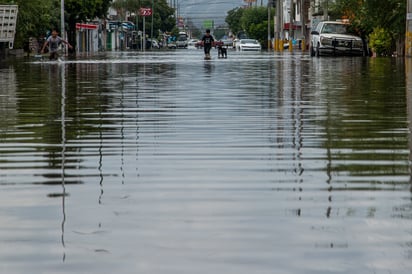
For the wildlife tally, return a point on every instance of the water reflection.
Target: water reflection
(63, 154)
(8, 98)
(408, 69)
(177, 165)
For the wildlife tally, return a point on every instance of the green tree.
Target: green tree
(233, 19)
(219, 32)
(37, 16)
(34, 18)
(122, 6)
(365, 16)
(254, 22)
(163, 15)
(81, 10)
(380, 41)
(389, 15)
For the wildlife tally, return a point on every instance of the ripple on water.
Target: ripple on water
(159, 162)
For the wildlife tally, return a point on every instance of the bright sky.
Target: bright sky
(199, 10)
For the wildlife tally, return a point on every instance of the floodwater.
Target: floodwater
(161, 162)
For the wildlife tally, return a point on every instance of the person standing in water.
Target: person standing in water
(207, 40)
(53, 42)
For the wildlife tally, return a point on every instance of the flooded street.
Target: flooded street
(161, 162)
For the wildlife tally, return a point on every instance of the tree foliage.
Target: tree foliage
(252, 20)
(163, 15)
(366, 17)
(82, 10)
(380, 41)
(34, 18)
(233, 19)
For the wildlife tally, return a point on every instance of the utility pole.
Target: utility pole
(291, 16)
(62, 31)
(175, 7)
(325, 10)
(269, 36)
(408, 35)
(408, 69)
(151, 28)
(304, 5)
(276, 26)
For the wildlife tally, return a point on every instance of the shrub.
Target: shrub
(380, 41)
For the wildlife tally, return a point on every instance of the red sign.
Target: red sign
(145, 11)
(294, 26)
(86, 26)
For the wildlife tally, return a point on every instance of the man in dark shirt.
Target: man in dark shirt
(207, 40)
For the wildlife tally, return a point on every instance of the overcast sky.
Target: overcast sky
(199, 10)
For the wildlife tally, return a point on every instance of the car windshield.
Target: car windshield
(334, 28)
(248, 41)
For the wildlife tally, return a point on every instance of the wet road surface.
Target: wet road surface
(161, 162)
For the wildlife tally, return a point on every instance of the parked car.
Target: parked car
(192, 43)
(171, 45)
(248, 45)
(332, 37)
(240, 35)
(152, 43)
(128, 26)
(235, 43)
(182, 39)
(228, 42)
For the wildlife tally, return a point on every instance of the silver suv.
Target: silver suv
(332, 37)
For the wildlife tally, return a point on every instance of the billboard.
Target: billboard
(208, 24)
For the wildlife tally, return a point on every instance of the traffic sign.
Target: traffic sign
(86, 26)
(145, 11)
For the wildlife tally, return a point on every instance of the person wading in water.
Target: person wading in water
(53, 42)
(207, 40)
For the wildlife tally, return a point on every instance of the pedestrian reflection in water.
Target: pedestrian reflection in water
(208, 68)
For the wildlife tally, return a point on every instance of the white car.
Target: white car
(332, 37)
(192, 43)
(228, 42)
(152, 43)
(248, 45)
